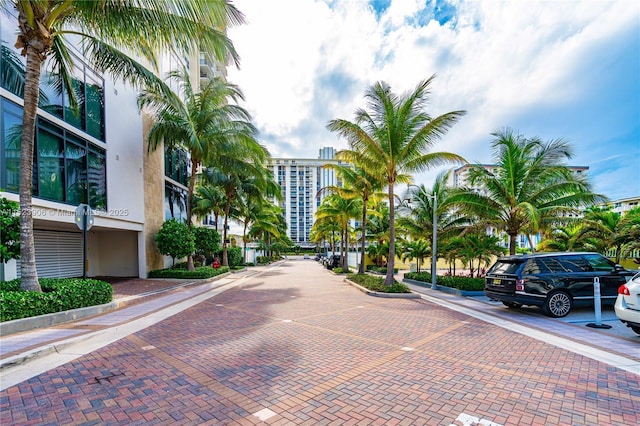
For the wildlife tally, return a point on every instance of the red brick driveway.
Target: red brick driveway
(297, 345)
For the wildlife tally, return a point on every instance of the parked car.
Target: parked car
(627, 304)
(333, 261)
(554, 281)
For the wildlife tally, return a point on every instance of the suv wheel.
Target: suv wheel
(636, 329)
(557, 304)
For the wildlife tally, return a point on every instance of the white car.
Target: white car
(627, 305)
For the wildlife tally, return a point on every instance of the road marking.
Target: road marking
(469, 420)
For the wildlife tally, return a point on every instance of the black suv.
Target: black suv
(554, 281)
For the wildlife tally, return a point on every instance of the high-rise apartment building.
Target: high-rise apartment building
(301, 181)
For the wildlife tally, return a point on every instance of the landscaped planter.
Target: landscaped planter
(449, 290)
(380, 294)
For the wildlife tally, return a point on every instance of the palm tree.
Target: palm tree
(417, 217)
(361, 185)
(565, 238)
(208, 199)
(254, 201)
(340, 210)
(105, 30)
(417, 249)
(204, 124)
(529, 186)
(607, 228)
(393, 137)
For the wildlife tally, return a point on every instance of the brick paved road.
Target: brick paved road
(297, 345)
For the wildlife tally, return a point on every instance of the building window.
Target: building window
(62, 170)
(175, 202)
(177, 165)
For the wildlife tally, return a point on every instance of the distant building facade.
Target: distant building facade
(301, 181)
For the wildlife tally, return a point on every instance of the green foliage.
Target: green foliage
(207, 241)
(58, 294)
(10, 234)
(234, 255)
(461, 283)
(377, 284)
(338, 270)
(198, 273)
(380, 269)
(175, 239)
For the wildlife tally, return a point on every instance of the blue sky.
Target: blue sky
(566, 69)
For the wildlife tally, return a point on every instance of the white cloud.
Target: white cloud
(540, 67)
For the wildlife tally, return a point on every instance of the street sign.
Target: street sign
(83, 211)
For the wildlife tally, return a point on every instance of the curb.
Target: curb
(57, 318)
(383, 295)
(444, 289)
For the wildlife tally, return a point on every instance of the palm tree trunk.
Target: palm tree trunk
(225, 257)
(512, 244)
(28, 272)
(244, 243)
(392, 239)
(364, 234)
(192, 184)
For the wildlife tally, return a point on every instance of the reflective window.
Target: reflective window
(175, 202)
(97, 179)
(66, 168)
(10, 147)
(599, 263)
(76, 173)
(50, 165)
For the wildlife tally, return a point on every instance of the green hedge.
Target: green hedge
(461, 283)
(58, 294)
(198, 273)
(380, 269)
(377, 284)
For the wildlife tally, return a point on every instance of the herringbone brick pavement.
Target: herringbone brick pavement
(297, 345)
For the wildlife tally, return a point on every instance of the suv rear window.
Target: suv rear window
(505, 266)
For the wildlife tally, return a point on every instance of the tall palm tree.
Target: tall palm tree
(393, 137)
(417, 217)
(530, 185)
(239, 171)
(208, 199)
(254, 201)
(357, 183)
(106, 29)
(340, 210)
(204, 123)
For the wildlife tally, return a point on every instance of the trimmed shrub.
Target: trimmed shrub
(380, 269)
(199, 273)
(377, 284)
(207, 241)
(460, 283)
(58, 294)
(175, 239)
(234, 255)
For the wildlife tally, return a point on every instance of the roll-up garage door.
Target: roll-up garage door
(58, 254)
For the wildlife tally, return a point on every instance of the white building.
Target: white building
(99, 158)
(301, 180)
